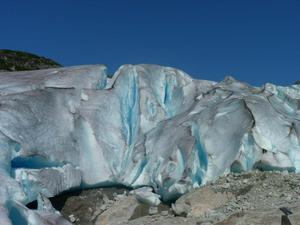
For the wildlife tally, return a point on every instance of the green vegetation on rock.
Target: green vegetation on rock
(19, 61)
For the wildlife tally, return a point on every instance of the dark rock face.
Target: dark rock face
(21, 61)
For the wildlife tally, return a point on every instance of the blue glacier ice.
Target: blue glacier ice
(147, 126)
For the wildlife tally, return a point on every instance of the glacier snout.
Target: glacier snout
(148, 125)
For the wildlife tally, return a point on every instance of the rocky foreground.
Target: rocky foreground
(245, 199)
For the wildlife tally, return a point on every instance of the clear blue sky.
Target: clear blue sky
(257, 41)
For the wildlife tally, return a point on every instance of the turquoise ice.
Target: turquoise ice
(148, 125)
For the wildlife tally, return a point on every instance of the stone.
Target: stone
(164, 213)
(120, 212)
(89, 204)
(72, 218)
(146, 195)
(200, 201)
(153, 210)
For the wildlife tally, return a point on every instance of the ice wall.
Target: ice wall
(148, 125)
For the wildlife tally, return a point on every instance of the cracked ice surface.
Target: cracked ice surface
(148, 125)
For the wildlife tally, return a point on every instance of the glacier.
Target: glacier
(146, 126)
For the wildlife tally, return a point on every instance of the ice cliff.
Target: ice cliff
(148, 125)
